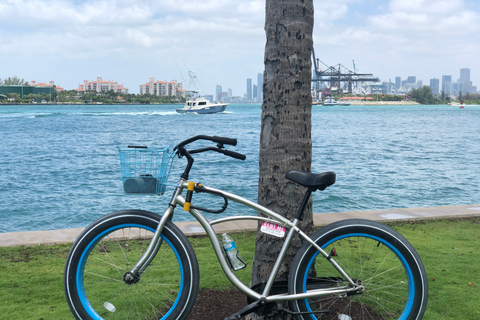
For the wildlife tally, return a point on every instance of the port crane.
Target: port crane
(339, 78)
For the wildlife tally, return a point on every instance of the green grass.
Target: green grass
(31, 285)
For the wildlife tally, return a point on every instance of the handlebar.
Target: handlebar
(220, 140)
(181, 150)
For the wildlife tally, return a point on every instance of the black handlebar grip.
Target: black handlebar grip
(224, 140)
(233, 154)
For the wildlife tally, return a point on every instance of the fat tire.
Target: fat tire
(173, 238)
(364, 229)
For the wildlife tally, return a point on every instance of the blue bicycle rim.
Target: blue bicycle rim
(411, 284)
(81, 266)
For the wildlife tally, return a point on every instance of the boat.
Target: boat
(333, 102)
(201, 105)
(196, 103)
(462, 105)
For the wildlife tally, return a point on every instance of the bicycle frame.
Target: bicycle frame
(271, 216)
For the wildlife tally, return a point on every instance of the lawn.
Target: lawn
(31, 285)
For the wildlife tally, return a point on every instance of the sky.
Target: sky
(223, 41)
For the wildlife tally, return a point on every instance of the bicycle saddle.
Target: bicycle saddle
(317, 181)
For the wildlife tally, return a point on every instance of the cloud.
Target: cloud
(148, 34)
(426, 38)
(224, 39)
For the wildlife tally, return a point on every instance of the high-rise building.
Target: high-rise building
(260, 86)
(435, 86)
(398, 82)
(218, 92)
(465, 80)
(412, 79)
(447, 84)
(255, 94)
(249, 89)
(464, 75)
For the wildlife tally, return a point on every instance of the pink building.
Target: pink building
(162, 88)
(101, 86)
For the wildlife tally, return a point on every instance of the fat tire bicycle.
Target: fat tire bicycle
(136, 264)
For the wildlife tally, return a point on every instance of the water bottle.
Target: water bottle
(231, 250)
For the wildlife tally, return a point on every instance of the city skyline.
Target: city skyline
(253, 92)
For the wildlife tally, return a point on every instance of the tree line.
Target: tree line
(13, 81)
(424, 95)
(90, 97)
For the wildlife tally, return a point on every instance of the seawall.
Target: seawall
(193, 228)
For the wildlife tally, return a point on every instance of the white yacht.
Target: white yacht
(202, 106)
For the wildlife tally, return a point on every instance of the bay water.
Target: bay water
(60, 167)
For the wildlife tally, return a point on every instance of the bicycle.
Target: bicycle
(136, 264)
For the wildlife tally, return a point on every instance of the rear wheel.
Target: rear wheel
(98, 261)
(373, 255)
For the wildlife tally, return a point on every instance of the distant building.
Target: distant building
(34, 88)
(218, 93)
(162, 88)
(465, 80)
(249, 89)
(447, 84)
(101, 86)
(398, 82)
(387, 87)
(23, 91)
(51, 84)
(260, 86)
(435, 86)
(412, 79)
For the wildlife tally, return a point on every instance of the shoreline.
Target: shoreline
(352, 103)
(387, 103)
(379, 103)
(193, 228)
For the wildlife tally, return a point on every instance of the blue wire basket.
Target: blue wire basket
(145, 169)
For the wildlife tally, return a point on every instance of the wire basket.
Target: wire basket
(145, 169)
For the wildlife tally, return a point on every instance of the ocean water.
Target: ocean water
(60, 167)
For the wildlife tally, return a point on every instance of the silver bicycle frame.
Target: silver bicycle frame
(273, 217)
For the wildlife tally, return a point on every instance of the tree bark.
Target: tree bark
(285, 138)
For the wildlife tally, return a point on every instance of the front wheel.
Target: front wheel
(374, 256)
(101, 256)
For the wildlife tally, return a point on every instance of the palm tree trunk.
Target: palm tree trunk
(285, 138)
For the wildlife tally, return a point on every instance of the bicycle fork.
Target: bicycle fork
(133, 276)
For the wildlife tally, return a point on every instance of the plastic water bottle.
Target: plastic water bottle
(231, 250)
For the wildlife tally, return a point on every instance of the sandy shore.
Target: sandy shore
(383, 103)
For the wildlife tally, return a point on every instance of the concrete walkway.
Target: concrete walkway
(193, 228)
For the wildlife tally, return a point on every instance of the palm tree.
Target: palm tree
(285, 138)
(14, 81)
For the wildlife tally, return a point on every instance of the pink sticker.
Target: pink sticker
(273, 229)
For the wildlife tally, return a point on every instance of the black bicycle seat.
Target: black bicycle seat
(317, 181)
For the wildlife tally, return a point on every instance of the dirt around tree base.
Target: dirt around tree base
(217, 305)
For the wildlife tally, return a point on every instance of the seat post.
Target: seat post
(302, 207)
